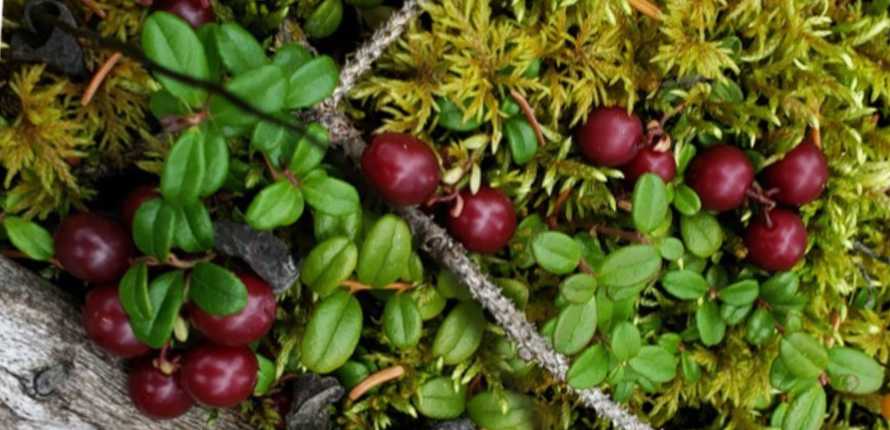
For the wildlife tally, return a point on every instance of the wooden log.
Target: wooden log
(52, 377)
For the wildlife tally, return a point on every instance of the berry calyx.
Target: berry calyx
(136, 198)
(93, 248)
(650, 160)
(610, 136)
(252, 323)
(778, 246)
(196, 12)
(403, 169)
(155, 394)
(107, 324)
(219, 376)
(487, 221)
(799, 177)
(721, 175)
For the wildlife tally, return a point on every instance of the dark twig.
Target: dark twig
(871, 253)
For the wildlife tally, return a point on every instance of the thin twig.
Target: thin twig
(375, 379)
(871, 253)
(529, 115)
(816, 137)
(356, 286)
(646, 8)
(98, 77)
(629, 236)
(553, 219)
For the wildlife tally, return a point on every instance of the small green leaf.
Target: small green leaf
(331, 195)
(441, 398)
(691, 370)
(852, 371)
(590, 368)
(194, 228)
(30, 238)
(556, 252)
(671, 248)
(328, 264)
(578, 288)
(726, 91)
(163, 104)
(521, 138)
(265, 376)
(685, 284)
(312, 82)
(449, 287)
(655, 363)
(277, 205)
(510, 411)
(268, 136)
(153, 228)
(520, 244)
(263, 89)
(325, 19)
(133, 293)
(451, 117)
(216, 290)
(711, 326)
(385, 252)
(515, 290)
(216, 161)
(761, 327)
(733, 315)
(207, 35)
(429, 302)
(352, 373)
(741, 293)
(414, 270)
(291, 56)
(184, 169)
(239, 50)
(630, 266)
(310, 149)
(626, 341)
(575, 327)
(166, 294)
(171, 42)
(805, 357)
(807, 410)
(780, 288)
(686, 200)
(460, 334)
(701, 234)
(650, 203)
(332, 333)
(401, 321)
(327, 226)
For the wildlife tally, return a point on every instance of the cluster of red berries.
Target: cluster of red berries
(221, 372)
(405, 171)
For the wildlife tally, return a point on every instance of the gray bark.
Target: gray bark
(52, 377)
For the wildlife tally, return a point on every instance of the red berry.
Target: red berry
(777, 248)
(610, 136)
(252, 323)
(155, 394)
(649, 160)
(800, 176)
(219, 376)
(721, 175)
(107, 325)
(487, 221)
(135, 199)
(196, 12)
(93, 248)
(401, 168)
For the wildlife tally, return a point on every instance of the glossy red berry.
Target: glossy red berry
(196, 12)
(648, 160)
(403, 169)
(155, 394)
(93, 248)
(107, 324)
(487, 221)
(219, 376)
(721, 175)
(135, 199)
(799, 177)
(610, 136)
(252, 323)
(777, 248)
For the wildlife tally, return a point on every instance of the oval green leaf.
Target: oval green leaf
(807, 410)
(655, 363)
(332, 333)
(402, 323)
(575, 327)
(166, 294)
(133, 293)
(686, 200)
(710, 324)
(578, 288)
(701, 234)
(30, 238)
(441, 398)
(238, 49)
(331, 195)
(630, 266)
(183, 174)
(556, 252)
(741, 293)
(650, 202)
(194, 228)
(386, 250)
(171, 42)
(216, 290)
(685, 284)
(460, 334)
(153, 228)
(263, 89)
(510, 412)
(803, 355)
(328, 264)
(277, 205)
(626, 342)
(312, 82)
(521, 138)
(590, 368)
(852, 371)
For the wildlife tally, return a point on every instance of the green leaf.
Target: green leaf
(451, 117)
(332, 333)
(685, 284)
(626, 341)
(701, 234)
(352, 373)
(711, 326)
(30, 238)
(686, 200)
(263, 89)
(521, 138)
(449, 287)
(401, 321)
(510, 411)
(429, 302)
(133, 293)
(655, 363)
(671, 248)
(726, 91)
(578, 288)
(733, 315)
(163, 104)
(761, 327)
(325, 19)
(575, 327)
(310, 149)
(520, 244)
(153, 228)
(650, 203)
(194, 228)
(780, 288)
(216, 161)
(807, 410)
(312, 82)
(413, 272)
(238, 49)
(327, 226)
(386, 250)
(328, 264)
(171, 42)
(268, 136)
(556, 252)
(216, 290)
(780, 377)
(590, 368)
(277, 205)
(166, 295)
(291, 56)
(460, 334)
(207, 35)
(805, 357)
(741, 293)
(854, 372)
(265, 376)
(690, 369)
(441, 398)
(630, 266)
(183, 173)
(331, 195)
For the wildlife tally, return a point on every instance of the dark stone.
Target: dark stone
(461, 424)
(266, 254)
(40, 42)
(313, 395)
